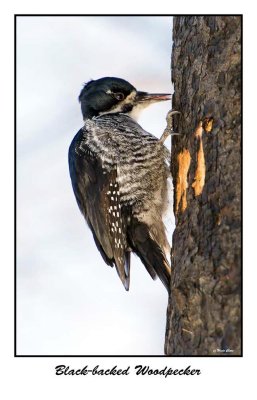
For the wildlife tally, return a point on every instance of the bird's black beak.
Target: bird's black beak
(148, 98)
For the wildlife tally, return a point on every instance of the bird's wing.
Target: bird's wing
(97, 194)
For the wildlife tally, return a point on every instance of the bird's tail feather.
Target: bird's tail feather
(150, 253)
(122, 265)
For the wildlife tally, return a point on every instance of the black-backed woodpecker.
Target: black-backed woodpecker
(119, 175)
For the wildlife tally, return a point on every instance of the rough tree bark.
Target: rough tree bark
(203, 316)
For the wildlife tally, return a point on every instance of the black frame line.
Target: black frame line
(15, 193)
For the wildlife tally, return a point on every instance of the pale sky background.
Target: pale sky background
(69, 302)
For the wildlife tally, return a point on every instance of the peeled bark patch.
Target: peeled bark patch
(182, 184)
(199, 177)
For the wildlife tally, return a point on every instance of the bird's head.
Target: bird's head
(115, 95)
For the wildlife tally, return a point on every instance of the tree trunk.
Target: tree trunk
(204, 311)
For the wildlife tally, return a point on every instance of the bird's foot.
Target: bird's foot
(169, 128)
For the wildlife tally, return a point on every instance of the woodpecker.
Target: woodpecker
(119, 175)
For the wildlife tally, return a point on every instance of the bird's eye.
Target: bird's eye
(118, 96)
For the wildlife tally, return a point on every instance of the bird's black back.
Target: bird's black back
(116, 170)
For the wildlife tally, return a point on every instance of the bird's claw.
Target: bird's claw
(169, 129)
(172, 112)
(170, 115)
